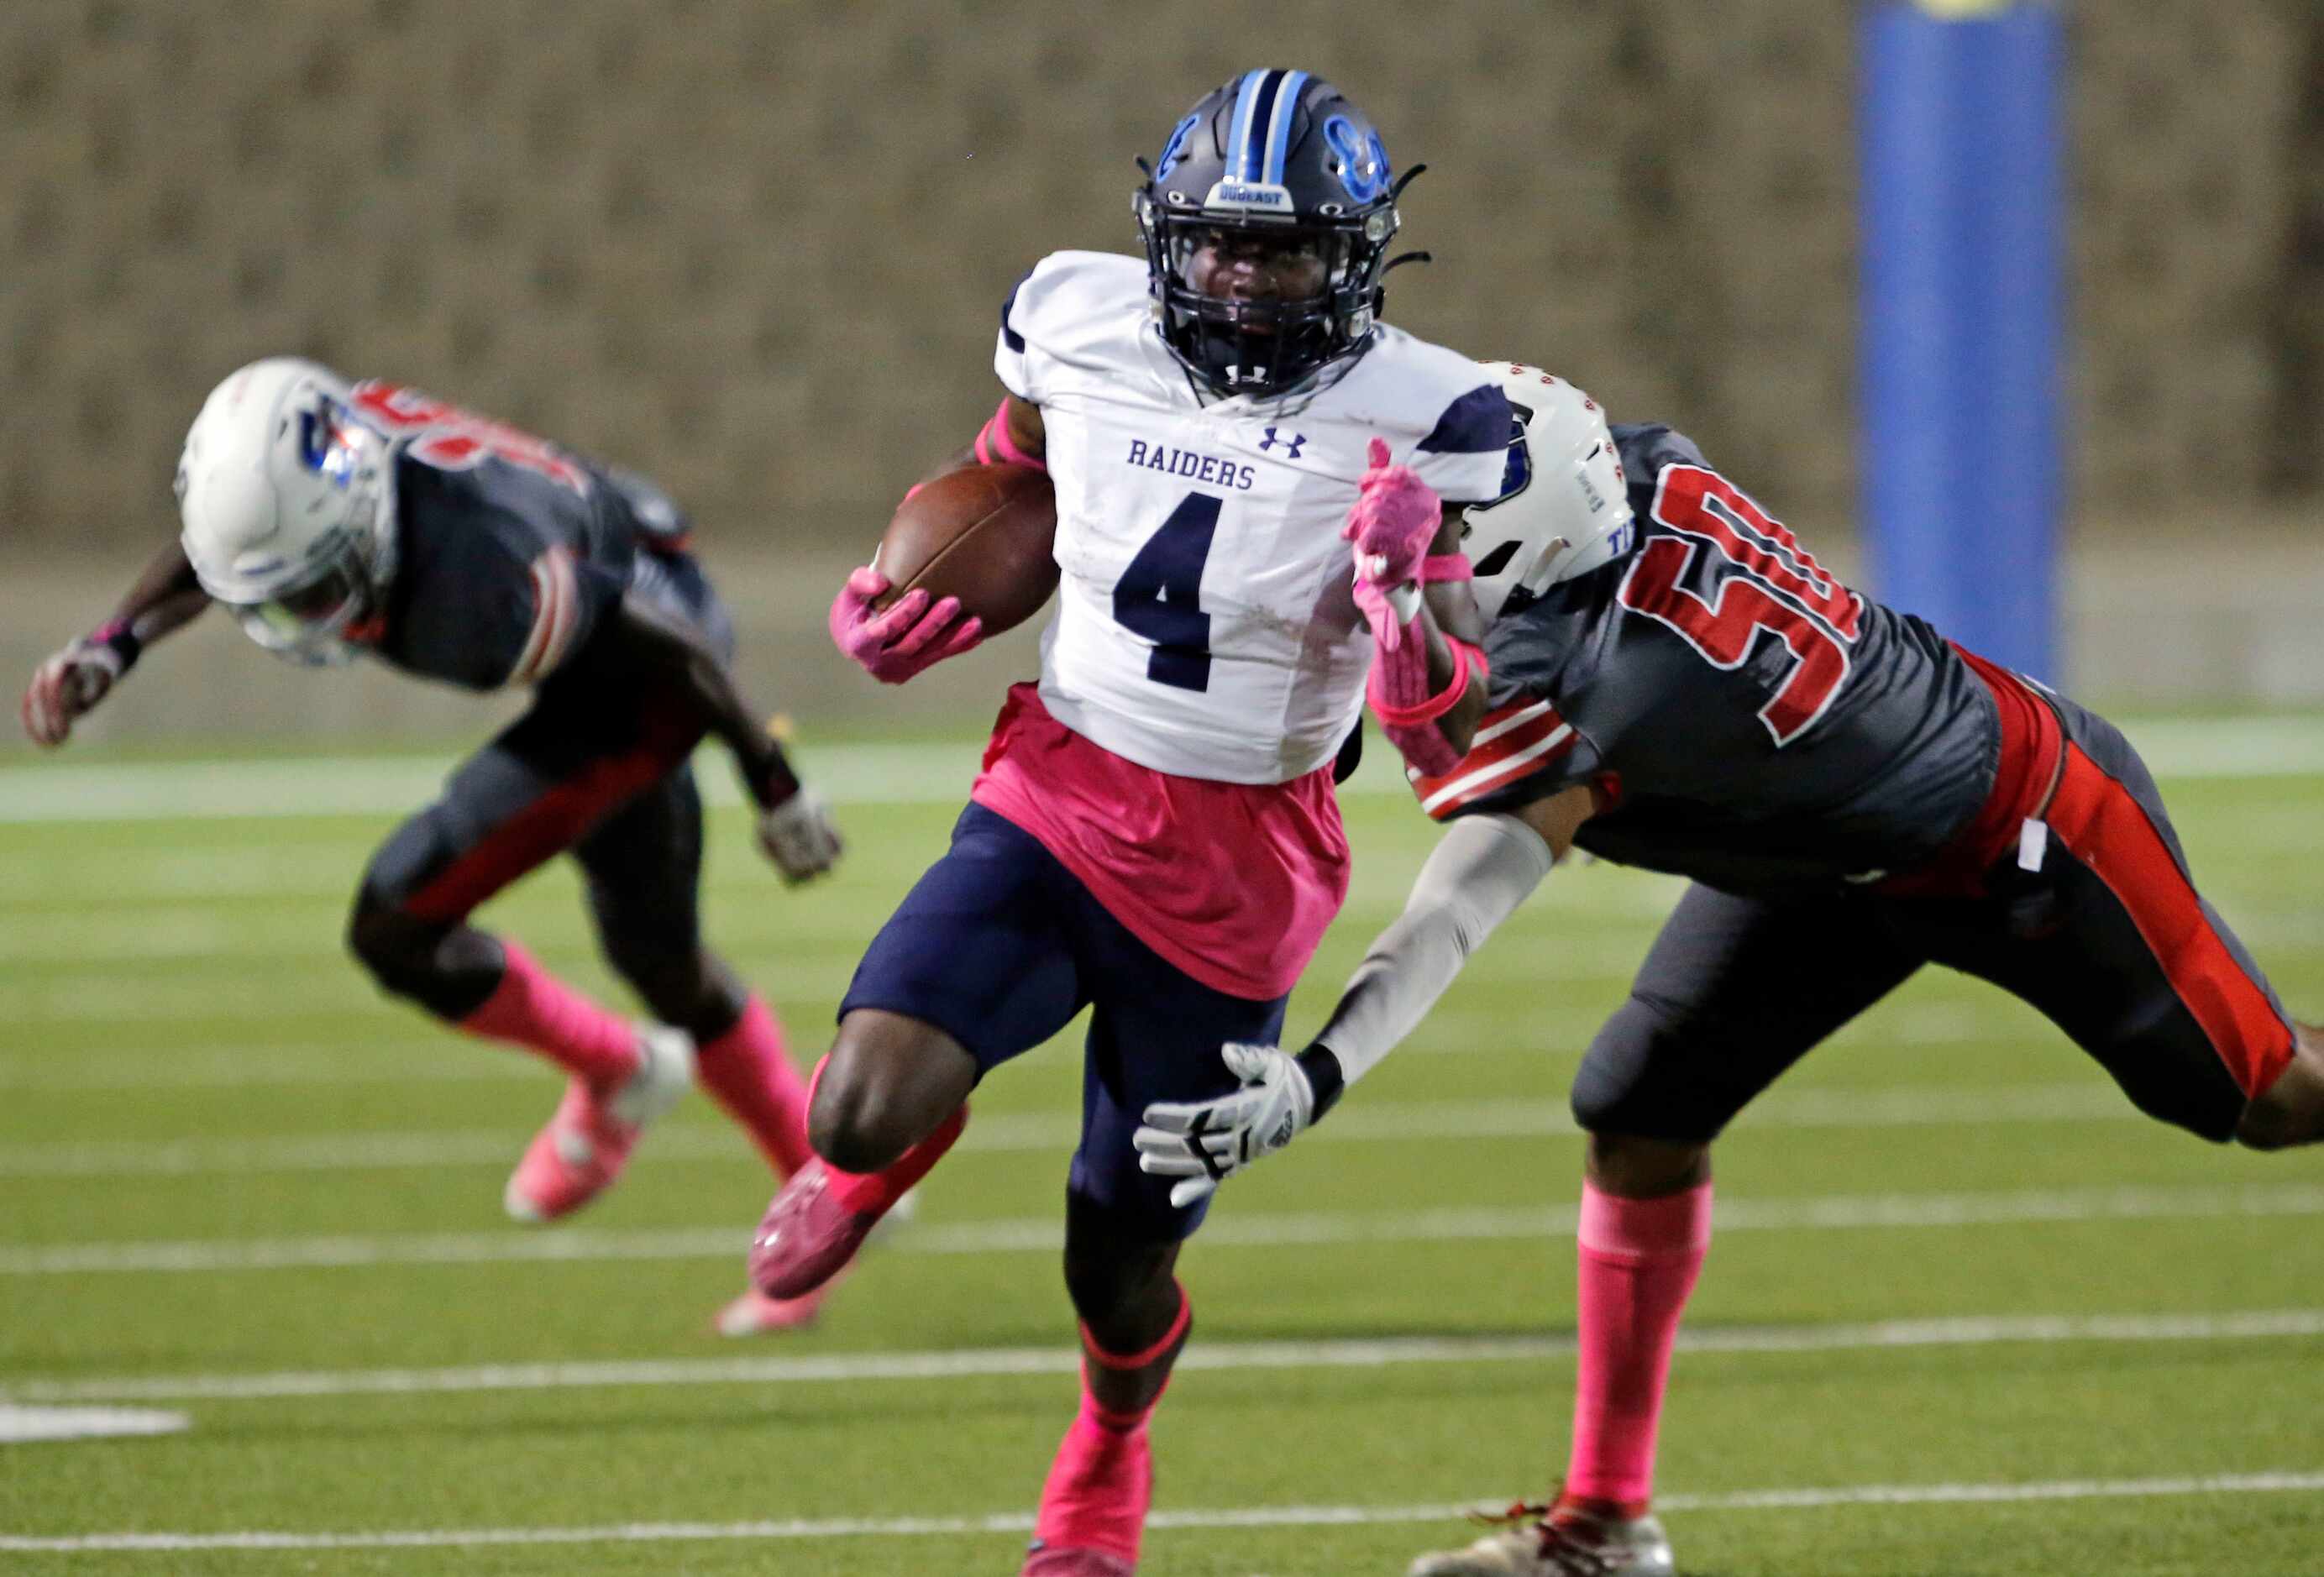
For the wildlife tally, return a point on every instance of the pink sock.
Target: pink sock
(1102, 1479)
(532, 1008)
(748, 1071)
(1640, 1259)
(880, 1190)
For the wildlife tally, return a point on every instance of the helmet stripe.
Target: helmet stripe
(1239, 160)
(1278, 137)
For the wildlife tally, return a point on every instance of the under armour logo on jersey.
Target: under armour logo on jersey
(1291, 444)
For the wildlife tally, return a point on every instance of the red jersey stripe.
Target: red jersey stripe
(2104, 827)
(1514, 742)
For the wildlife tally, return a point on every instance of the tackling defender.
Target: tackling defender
(1680, 686)
(337, 520)
(1154, 834)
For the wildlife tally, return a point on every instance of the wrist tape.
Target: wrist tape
(996, 446)
(1465, 657)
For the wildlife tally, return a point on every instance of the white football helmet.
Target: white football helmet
(287, 497)
(1565, 507)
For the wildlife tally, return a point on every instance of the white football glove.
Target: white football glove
(1205, 1141)
(799, 836)
(66, 686)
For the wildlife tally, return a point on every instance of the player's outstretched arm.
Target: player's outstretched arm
(164, 598)
(795, 827)
(1482, 869)
(1412, 585)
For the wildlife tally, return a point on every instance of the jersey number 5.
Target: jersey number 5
(452, 440)
(1742, 574)
(1159, 594)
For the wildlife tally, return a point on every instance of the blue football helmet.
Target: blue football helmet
(1273, 159)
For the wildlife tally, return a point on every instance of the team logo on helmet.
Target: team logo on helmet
(1363, 164)
(1516, 473)
(1175, 150)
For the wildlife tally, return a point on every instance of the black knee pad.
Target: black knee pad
(1646, 1075)
(395, 949)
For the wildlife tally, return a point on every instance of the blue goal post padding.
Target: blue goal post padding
(1962, 461)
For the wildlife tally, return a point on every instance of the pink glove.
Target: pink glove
(894, 644)
(1393, 522)
(1398, 687)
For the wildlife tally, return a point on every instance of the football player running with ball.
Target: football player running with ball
(336, 520)
(1679, 686)
(1155, 835)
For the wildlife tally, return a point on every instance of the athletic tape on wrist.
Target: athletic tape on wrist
(1439, 566)
(1326, 1079)
(1465, 657)
(117, 635)
(995, 444)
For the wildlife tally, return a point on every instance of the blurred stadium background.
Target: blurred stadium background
(758, 251)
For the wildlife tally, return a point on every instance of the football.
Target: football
(981, 533)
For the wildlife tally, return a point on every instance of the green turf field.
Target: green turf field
(1966, 1313)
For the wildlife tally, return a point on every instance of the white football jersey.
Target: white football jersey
(1205, 625)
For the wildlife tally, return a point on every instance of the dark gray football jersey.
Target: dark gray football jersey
(1748, 721)
(510, 551)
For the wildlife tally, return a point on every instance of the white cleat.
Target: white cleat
(586, 1143)
(1566, 1541)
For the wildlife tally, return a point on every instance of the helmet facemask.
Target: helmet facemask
(307, 622)
(1265, 344)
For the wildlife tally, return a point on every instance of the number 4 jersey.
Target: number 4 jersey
(1745, 719)
(1206, 659)
(1205, 625)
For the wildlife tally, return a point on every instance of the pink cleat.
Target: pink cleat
(808, 1236)
(1094, 1506)
(584, 1147)
(818, 1223)
(1075, 1564)
(754, 1314)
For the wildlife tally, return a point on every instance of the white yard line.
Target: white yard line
(1042, 1234)
(233, 789)
(105, 983)
(1369, 1123)
(1456, 1028)
(108, 939)
(930, 773)
(96, 939)
(1018, 1522)
(21, 1424)
(439, 1061)
(859, 1368)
